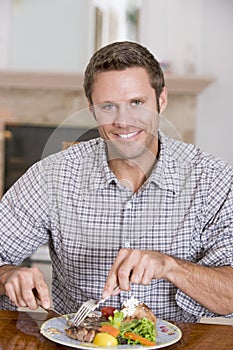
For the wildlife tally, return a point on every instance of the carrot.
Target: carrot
(108, 328)
(141, 340)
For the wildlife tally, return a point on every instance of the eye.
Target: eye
(108, 107)
(136, 103)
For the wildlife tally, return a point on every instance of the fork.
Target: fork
(88, 307)
(85, 309)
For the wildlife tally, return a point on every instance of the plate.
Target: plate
(54, 330)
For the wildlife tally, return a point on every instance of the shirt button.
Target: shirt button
(128, 205)
(127, 244)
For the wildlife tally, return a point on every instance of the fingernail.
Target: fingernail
(46, 304)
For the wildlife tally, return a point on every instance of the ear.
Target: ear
(163, 100)
(91, 108)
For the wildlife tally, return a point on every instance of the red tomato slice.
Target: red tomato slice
(108, 311)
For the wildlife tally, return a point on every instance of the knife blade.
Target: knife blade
(51, 311)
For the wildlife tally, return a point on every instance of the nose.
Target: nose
(123, 116)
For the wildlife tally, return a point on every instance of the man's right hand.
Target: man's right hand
(18, 283)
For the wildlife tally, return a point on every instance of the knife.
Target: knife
(51, 311)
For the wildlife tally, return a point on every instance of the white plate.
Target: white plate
(167, 334)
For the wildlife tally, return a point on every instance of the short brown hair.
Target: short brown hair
(119, 56)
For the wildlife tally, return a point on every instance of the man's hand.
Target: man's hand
(136, 266)
(19, 282)
(212, 287)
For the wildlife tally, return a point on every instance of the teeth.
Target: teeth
(125, 136)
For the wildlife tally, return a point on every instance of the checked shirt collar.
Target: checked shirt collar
(164, 174)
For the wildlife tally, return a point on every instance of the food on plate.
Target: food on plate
(135, 323)
(105, 339)
(87, 330)
(53, 330)
(108, 311)
(132, 309)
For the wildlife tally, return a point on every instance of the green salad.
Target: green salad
(131, 332)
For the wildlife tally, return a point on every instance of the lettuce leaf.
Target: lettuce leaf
(143, 327)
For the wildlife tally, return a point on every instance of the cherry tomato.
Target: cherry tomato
(104, 339)
(108, 311)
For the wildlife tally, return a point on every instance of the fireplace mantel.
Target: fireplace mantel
(177, 84)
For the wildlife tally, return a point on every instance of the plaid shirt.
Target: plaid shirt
(74, 202)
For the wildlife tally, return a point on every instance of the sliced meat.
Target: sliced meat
(142, 310)
(86, 331)
(80, 333)
(90, 335)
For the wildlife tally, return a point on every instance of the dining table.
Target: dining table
(20, 330)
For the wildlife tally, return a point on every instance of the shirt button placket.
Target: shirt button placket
(127, 224)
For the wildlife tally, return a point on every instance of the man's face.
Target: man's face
(126, 111)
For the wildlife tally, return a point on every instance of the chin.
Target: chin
(127, 151)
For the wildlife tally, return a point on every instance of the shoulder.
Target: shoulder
(62, 164)
(76, 154)
(189, 155)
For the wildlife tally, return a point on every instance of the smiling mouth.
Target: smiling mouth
(127, 136)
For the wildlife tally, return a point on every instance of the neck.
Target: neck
(133, 173)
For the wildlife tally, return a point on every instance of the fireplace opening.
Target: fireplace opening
(26, 144)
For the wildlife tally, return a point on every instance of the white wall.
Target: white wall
(172, 28)
(215, 105)
(50, 35)
(5, 29)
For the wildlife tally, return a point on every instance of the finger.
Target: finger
(37, 289)
(128, 269)
(13, 294)
(30, 299)
(27, 282)
(110, 285)
(112, 279)
(144, 272)
(14, 288)
(43, 293)
(137, 274)
(148, 273)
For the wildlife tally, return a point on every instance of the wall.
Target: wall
(196, 36)
(50, 36)
(214, 108)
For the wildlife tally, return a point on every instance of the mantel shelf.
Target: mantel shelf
(187, 84)
(177, 84)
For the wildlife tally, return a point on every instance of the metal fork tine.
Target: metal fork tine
(80, 315)
(83, 312)
(80, 319)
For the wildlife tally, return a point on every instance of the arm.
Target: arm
(18, 284)
(212, 287)
(24, 226)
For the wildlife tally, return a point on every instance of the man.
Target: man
(132, 208)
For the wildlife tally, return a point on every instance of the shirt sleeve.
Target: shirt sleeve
(215, 234)
(24, 220)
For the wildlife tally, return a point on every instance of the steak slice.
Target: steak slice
(86, 331)
(81, 333)
(142, 310)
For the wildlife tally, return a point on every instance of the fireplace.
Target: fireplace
(26, 144)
